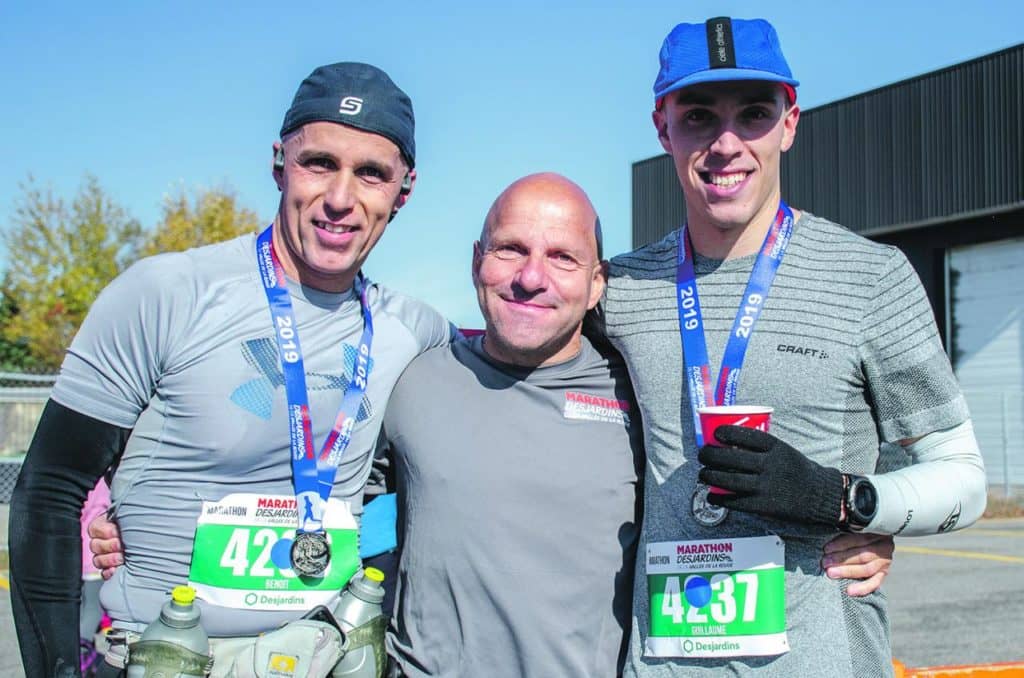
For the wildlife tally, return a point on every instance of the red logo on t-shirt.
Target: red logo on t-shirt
(595, 408)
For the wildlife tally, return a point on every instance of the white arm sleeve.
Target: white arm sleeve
(943, 490)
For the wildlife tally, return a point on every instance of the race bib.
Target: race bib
(717, 598)
(242, 553)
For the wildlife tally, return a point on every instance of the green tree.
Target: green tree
(207, 216)
(15, 356)
(59, 258)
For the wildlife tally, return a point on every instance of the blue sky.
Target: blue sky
(151, 97)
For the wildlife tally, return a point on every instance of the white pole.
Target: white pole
(1006, 444)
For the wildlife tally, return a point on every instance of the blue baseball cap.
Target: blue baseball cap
(719, 50)
(357, 95)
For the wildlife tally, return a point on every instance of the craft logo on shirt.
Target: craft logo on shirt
(257, 395)
(807, 351)
(584, 406)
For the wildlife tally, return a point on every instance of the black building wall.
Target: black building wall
(943, 145)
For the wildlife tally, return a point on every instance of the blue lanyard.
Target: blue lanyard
(696, 368)
(312, 475)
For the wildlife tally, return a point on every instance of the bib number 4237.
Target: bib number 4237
(717, 598)
(719, 604)
(723, 610)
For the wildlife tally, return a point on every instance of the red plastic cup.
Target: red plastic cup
(751, 416)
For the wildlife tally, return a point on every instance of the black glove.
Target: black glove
(770, 478)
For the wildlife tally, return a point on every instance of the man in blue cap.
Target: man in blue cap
(831, 330)
(189, 368)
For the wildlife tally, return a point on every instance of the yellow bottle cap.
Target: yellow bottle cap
(373, 574)
(183, 595)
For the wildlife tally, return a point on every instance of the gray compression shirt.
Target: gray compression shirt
(180, 349)
(847, 352)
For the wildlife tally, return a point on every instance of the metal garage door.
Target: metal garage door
(987, 310)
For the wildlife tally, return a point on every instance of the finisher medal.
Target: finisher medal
(707, 514)
(310, 554)
(696, 363)
(312, 473)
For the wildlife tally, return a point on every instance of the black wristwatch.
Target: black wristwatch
(860, 502)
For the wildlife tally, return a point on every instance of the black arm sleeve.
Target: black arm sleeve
(68, 454)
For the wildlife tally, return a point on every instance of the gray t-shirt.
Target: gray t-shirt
(847, 352)
(518, 514)
(180, 349)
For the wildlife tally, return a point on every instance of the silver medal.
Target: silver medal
(704, 513)
(310, 554)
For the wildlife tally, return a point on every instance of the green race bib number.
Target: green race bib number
(242, 554)
(716, 598)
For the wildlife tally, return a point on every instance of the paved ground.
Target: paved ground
(959, 598)
(953, 599)
(10, 661)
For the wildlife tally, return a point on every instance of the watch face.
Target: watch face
(865, 501)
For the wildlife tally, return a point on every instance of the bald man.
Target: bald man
(517, 456)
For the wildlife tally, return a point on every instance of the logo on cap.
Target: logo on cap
(351, 106)
(721, 50)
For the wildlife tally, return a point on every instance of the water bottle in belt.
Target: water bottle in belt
(360, 616)
(175, 644)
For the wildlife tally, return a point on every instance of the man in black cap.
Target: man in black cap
(240, 447)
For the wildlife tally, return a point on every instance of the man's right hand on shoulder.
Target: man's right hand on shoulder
(105, 544)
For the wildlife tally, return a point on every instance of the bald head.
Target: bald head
(545, 193)
(537, 270)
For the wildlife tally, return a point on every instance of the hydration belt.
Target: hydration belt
(303, 647)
